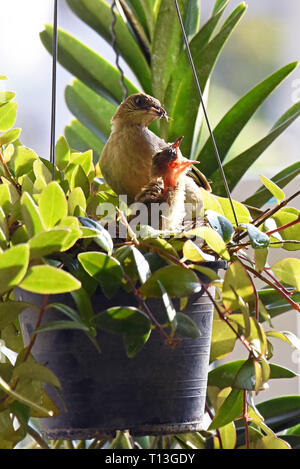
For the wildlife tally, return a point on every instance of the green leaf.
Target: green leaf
(280, 413)
(288, 271)
(86, 65)
(42, 411)
(91, 109)
(274, 303)
(31, 370)
(191, 17)
(52, 204)
(82, 139)
(62, 325)
(9, 136)
(273, 188)
(5, 199)
(245, 377)
(237, 283)
(223, 340)
(169, 307)
(242, 213)
(224, 376)
(221, 224)
(272, 442)
(129, 322)
(258, 239)
(206, 271)
(197, 44)
(260, 256)
(48, 242)
(286, 336)
(23, 160)
(6, 96)
(13, 266)
(177, 281)
(8, 115)
(236, 118)
(48, 280)
(97, 14)
(106, 270)
(237, 167)
(41, 170)
(79, 179)
(122, 320)
(76, 201)
(283, 217)
(10, 310)
(231, 409)
(62, 153)
(186, 327)
(186, 104)
(142, 265)
(192, 252)
(103, 238)
(212, 239)
(163, 62)
(262, 195)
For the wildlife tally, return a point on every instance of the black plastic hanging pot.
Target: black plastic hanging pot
(161, 390)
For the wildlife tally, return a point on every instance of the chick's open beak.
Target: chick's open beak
(183, 164)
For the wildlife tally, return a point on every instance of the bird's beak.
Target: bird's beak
(177, 143)
(183, 164)
(159, 112)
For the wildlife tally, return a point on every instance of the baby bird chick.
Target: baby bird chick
(167, 186)
(126, 159)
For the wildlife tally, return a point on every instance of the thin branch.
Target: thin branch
(245, 418)
(273, 285)
(145, 307)
(8, 174)
(217, 430)
(283, 227)
(37, 437)
(38, 322)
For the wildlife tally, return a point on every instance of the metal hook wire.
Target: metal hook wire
(205, 113)
(115, 48)
(53, 105)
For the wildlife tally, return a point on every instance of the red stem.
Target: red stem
(283, 227)
(266, 270)
(273, 285)
(38, 322)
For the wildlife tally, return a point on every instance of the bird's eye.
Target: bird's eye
(138, 100)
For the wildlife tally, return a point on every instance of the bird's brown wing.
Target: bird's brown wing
(199, 178)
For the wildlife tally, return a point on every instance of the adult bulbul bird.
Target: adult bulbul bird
(126, 158)
(167, 187)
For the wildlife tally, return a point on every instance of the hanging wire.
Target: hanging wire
(53, 106)
(115, 4)
(205, 113)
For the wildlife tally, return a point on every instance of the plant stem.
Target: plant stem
(245, 418)
(8, 174)
(273, 285)
(270, 213)
(37, 437)
(283, 227)
(211, 416)
(38, 322)
(266, 270)
(145, 307)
